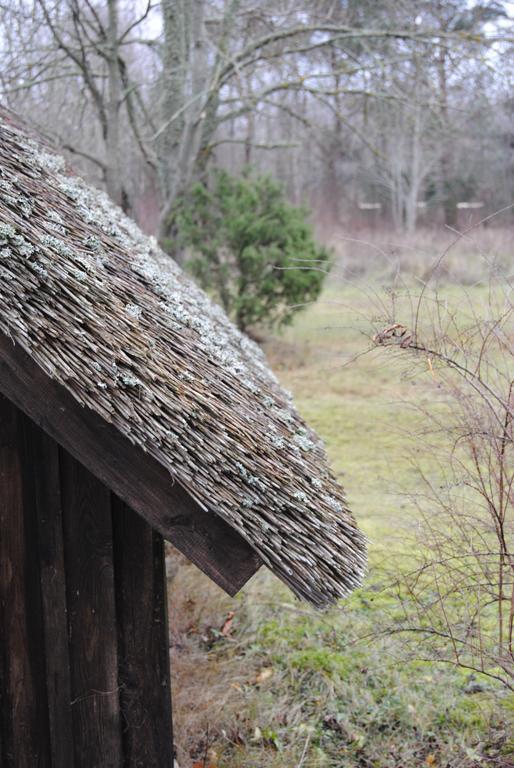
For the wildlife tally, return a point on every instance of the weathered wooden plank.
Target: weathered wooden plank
(23, 714)
(43, 463)
(142, 483)
(87, 526)
(143, 641)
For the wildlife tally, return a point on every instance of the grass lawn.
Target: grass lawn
(287, 686)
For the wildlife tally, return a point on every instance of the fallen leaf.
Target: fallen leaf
(264, 674)
(430, 759)
(227, 626)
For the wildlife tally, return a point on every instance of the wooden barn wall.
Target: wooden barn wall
(84, 662)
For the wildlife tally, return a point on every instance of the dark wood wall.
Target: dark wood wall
(84, 662)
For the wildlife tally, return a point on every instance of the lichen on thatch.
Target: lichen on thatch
(101, 309)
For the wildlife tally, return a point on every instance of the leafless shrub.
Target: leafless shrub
(456, 591)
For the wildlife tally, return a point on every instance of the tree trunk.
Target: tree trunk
(447, 191)
(411, 199)
(182, 107)
(176, 30)
(112, 136)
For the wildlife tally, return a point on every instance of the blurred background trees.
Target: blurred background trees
(377, 115)
(369, 112)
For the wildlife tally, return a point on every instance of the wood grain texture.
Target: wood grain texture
(43, 463)
(93, 642)
(84, 644)
(143, 641)
(23, 709)
(139, 480)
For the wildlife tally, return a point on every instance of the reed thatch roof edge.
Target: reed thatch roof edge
(103, 311)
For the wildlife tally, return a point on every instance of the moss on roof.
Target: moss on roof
(103, 311)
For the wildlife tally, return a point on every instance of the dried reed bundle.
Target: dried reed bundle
(102, 310)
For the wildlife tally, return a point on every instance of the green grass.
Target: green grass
(291, 687)
(361, 407)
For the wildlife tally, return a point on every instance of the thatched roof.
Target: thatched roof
(100, 308)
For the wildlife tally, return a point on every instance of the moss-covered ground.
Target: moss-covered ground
(285, 686)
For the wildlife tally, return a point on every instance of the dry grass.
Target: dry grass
(385, 253)
(293, 688)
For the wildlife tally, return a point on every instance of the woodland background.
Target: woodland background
(393, 121)
(373, 112)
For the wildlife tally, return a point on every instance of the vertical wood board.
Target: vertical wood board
(84, 656)
(43, 463)
(23, 706)
(143, 641)
(86, 506)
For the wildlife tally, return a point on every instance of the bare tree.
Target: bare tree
(152, 90)
(453, 16)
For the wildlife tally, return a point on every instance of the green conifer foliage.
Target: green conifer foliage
(250, 248)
